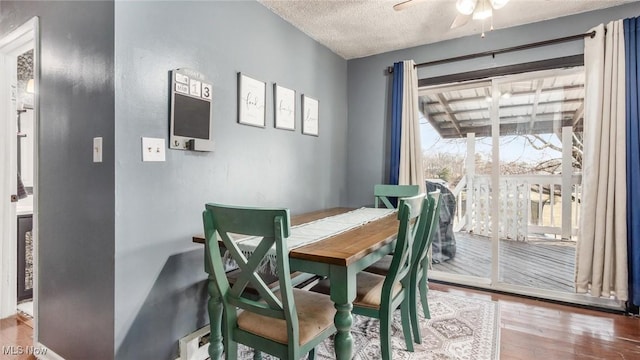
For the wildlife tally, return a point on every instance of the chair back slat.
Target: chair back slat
(434, 220)
(430, 223)
(256, 307)
(250, 221)
(383, 193)
(409, 211)
(249, 273)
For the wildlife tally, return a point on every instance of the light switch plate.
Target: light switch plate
(97, 149)
(153, 149)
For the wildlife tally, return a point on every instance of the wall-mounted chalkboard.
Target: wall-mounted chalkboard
(191, 120)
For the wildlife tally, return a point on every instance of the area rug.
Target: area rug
(461, 328)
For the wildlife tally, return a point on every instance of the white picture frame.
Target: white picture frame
(251, 101)
(284, 106)
(310, 119)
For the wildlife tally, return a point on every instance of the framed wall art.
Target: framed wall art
(251, 101)
(284, 105)
(309, 116)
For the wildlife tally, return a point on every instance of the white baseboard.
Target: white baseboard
(44, 353)
(190, 348)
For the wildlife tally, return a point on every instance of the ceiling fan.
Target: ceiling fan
(467, 9)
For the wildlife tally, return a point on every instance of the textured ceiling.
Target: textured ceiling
(358, 28)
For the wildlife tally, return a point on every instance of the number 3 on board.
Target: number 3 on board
(206, 91)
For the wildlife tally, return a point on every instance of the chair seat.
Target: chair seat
(369, 290)
(315, 314)
(381, 267)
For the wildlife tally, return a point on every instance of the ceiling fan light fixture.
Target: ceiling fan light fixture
(466, 7)
(498, 4)
(482, 14)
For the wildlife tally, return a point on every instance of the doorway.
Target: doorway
(24, 206)
(19, 76)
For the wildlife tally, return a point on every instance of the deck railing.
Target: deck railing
(530, 206)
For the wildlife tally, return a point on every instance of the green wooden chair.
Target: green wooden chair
(420, 262)
(379, 296)
(382, 193)
(287, 323)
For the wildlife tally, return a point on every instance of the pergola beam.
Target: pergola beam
(430, 118)
(536, 100)
(514, 106)
(449, 113)
(465, 124)
(541, 127)
(513, 94)
(579, 114)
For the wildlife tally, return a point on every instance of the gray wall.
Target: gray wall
(76, 196)
(160, 294)
(157, 280)
(370, 95)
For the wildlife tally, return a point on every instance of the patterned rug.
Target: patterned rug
(460, 328)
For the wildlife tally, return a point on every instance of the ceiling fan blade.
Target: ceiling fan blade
(405, 4)
(460, 20)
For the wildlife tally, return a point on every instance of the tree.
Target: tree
(444, 174)
(441, 165)
(553, 166)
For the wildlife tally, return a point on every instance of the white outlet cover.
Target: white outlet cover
(97, 149)
(153, 149)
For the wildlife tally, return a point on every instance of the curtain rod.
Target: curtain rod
(503, 50)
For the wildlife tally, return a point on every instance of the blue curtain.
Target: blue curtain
(396, 122)
(631, 28)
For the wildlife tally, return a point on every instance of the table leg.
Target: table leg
(215, 321)
(343, 341)
(343, 292)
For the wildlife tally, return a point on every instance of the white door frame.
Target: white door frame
(22, 39)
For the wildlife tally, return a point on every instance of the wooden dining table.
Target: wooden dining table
(340, 258)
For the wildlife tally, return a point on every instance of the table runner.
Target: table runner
(313, 231)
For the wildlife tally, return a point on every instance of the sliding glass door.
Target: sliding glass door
(507, 154)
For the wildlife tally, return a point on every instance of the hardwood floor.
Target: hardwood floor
(534, 329)
(16, 337)
(529, 329)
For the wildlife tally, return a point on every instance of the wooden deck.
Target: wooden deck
(540, 264)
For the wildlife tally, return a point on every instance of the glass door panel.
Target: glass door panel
(457, 146)
(539, 145)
